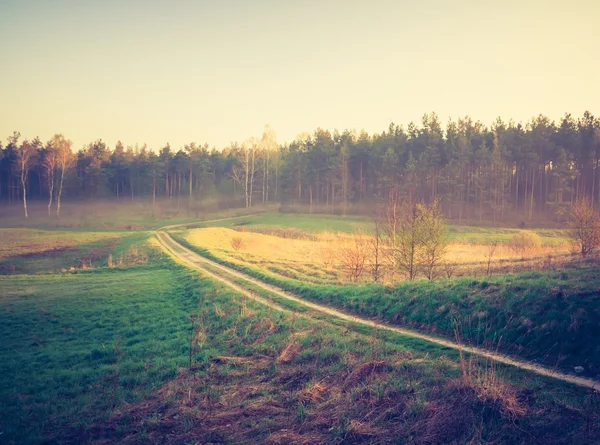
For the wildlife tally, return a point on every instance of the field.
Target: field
(526, 307)
(121, 215)
(311, 243)
(133, 347)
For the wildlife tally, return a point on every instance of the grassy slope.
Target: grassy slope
(261, 376)
(42, 251)
(548, 317)
(98, 354)
(74, 345)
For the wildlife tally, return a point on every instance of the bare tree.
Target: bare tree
(268, 144)
(490, 255)
(353, 254)
(415, 235)
(25, 155)
(585, 227)
(433, 232)
(408, 250)
(377, 243)
(345, 170)
(65, 161)
(50, 165)
(244, 174)
(391, 216)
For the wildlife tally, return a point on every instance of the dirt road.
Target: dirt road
(225, 275)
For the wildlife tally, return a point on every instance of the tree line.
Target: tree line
(505, 171)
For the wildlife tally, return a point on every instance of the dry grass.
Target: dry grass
(313, 393)
(323, 257)
(290, 352)
(237, 243)
(481, 376)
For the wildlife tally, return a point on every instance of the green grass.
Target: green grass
(304, 222)
(103, 355)
(41, 251)
(118, 215)
(74, 345)
(544, 316)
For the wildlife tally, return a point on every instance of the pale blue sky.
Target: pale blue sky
(218, 71)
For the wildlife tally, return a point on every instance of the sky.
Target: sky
(217, 71)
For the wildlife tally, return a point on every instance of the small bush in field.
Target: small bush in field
(525, 241)
(585, 227)
(237, 243)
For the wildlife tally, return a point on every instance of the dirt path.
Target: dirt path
(193, 260)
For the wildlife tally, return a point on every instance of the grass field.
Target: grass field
(40, 251)
(77, 344)
(314, 256)
(103, 354)
(543, 315)
(121, 215)
(270, 221)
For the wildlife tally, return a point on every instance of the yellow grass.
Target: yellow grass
(264, 247)
(310, 259)
(472, 253)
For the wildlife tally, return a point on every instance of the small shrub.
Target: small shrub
(525, 242)
(237, 243)
(585, 227)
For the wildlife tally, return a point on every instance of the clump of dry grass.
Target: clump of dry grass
(289, 437)
(313, 393)
(263, 329)
(237, 243)
(525, 242)
(219, 312)
(483, 379)
(245, 311)
(222, 359)
(361, 430)
(290, 352)
(362, 372)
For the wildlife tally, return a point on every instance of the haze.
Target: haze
(177, 72)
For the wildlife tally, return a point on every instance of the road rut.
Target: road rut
(196, 261)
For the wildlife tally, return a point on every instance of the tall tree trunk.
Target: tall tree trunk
(252, 179)
(247, 179)
(264, 178)
(191, 184)
(178, 188)
(332, 197)
(267, 178)
(50, 191)
(154, 195)
(532, 189)
(60, 189)
(24, 185)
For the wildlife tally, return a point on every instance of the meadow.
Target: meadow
(533, 306)
(133, 347)
(307, 247)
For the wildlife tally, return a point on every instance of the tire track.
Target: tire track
(196, 261)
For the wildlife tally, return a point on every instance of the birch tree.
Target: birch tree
(25, 155)
(244, 173)
(50, 164)
(65, 161)
(268, 145)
